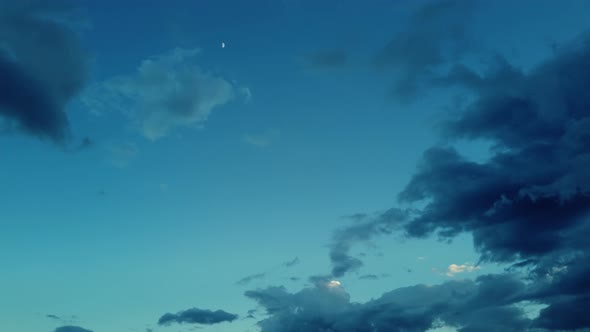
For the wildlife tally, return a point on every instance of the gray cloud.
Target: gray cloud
(369, 277)
(436, 35)
(292, 262)
(168, 91)
(567, 314)
(361, 231)
(250, 278)
(197, 316)
(70, 328)
(536, 175)
(34, 90)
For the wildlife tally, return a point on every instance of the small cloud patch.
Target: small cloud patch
(194, 316)
(454, 269)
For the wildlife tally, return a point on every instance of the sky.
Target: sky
(294, 165)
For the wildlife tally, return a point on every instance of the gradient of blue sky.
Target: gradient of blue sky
(118, 234)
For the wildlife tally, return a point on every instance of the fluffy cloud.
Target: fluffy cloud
(292, 262)
(197, 316)
(34, 90)
(369, 277)
(167, 91)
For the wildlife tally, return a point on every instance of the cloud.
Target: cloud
(120, 154)
(262, 139)
(527, 204)
(53, 316)
(467, 305)
(535, 176)
(250, 278)
(361, 231)
(168, 91)
(436, 35)
(70, 328)
(197, 316)
(332, 58)
(35, 90)
(369, 277)
(85, 144)
(292, 262)
(454, 269)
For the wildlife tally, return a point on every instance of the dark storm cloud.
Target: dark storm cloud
(436, 35)
(361, 231)
(250, 278)
(326, 59)
(568, 314)
(529, 203)
(197, 316)
(468, 305)
(70, 328)
(34, 89)
(522, 202)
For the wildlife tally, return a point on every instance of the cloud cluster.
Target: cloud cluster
(167, 91)
(481, 305)
(527, 204)
(454, 269)
(197, 316)
(531, 198)
(34, 89)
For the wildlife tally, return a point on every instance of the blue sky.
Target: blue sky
(148, 168)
